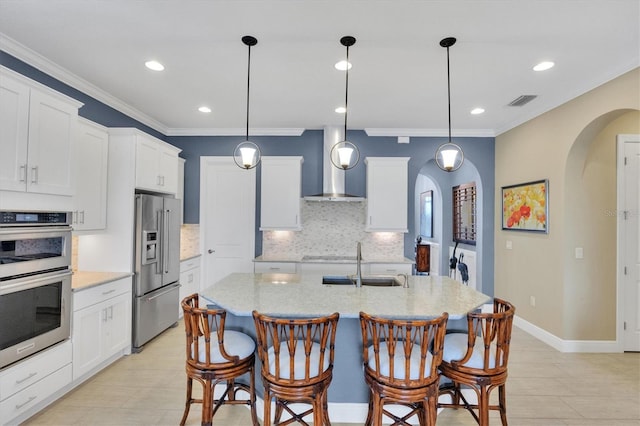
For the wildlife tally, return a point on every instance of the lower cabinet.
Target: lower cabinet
(275, 267)
(189, 279)
(26, 385)
(390, 268)
(101, 325)
(326, 268)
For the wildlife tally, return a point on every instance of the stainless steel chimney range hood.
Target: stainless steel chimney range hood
(333, 179)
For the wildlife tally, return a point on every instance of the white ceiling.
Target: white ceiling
(398, 83)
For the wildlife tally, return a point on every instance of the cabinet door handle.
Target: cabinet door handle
(34, 174)
(190, 279)
(19, 406)
(26, 378)
(104, 293)
(23, 173)
(82, 217)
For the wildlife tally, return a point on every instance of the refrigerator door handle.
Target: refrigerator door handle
(166, 241)
(160, 262)
(155, 296)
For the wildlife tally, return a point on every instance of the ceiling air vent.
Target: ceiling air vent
(522, 100)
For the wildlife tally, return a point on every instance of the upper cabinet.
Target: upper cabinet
(156, 165)
(281, 183)
(37, 130)
(387, 188)
(90, 199)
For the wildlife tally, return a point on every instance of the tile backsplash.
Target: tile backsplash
(332, 228)
(189, 240)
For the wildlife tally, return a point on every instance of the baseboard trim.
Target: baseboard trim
(568, 346)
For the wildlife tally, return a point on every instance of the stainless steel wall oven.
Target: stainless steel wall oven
(35, 282)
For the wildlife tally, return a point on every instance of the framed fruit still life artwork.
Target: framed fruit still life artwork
(525, 207)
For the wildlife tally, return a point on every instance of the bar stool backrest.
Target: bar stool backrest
(296, 352)
(403, 353)
(488, 340)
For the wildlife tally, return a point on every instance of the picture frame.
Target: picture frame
(426, 214)
(525, 207)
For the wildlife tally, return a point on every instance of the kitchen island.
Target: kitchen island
(294, 295)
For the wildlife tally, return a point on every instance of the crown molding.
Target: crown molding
(420, 133)
(43, 64)
(235, 132)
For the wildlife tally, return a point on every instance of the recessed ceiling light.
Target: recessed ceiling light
(342, 65)
(154, 65)
(341, 110)
(204, 109)
(543, 66)
(477, 111)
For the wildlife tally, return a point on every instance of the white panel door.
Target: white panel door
(630, 235)
(227, 218)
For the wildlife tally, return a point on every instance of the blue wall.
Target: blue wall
(479, 155)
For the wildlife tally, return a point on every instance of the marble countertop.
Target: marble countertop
(85, 279)
(298, 295)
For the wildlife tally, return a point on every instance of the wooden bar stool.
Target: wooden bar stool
(478, 360)
(401, 359)
(216, 355)
(296, 365)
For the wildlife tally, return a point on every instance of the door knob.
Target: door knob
(210, 251)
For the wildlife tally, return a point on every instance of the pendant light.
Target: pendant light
(247, 154)
(345, 155)
(449, 156)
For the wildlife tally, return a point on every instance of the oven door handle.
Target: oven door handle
(32, 231)
(25, 283)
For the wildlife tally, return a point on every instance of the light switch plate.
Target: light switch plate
(579, 253)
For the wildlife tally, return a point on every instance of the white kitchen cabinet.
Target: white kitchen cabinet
(37, 130)
(275, 267)
(91, 162)
(101, 325)
(387, 188)
(189, 279)
(281, 186)
(25, 385)
(156, 165)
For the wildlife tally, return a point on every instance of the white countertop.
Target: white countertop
(304, 295)
(81, 280)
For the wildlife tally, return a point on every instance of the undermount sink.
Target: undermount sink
(369, 280)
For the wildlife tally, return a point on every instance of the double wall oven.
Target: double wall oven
(35, 282)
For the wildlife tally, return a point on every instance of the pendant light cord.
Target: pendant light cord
(346, 96)
(449, 93)
(248, 86)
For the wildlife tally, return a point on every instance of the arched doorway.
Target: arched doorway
(431, 178)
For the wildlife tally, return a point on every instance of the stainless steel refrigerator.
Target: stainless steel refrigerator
(157, 267)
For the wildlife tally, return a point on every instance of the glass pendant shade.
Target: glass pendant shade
(247, 155)
(449, 157)
(342, 155)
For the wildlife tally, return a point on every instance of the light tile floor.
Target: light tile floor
(545, 387)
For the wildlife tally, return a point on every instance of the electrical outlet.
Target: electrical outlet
(509, 245)
(579, 253)
(532, 301)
